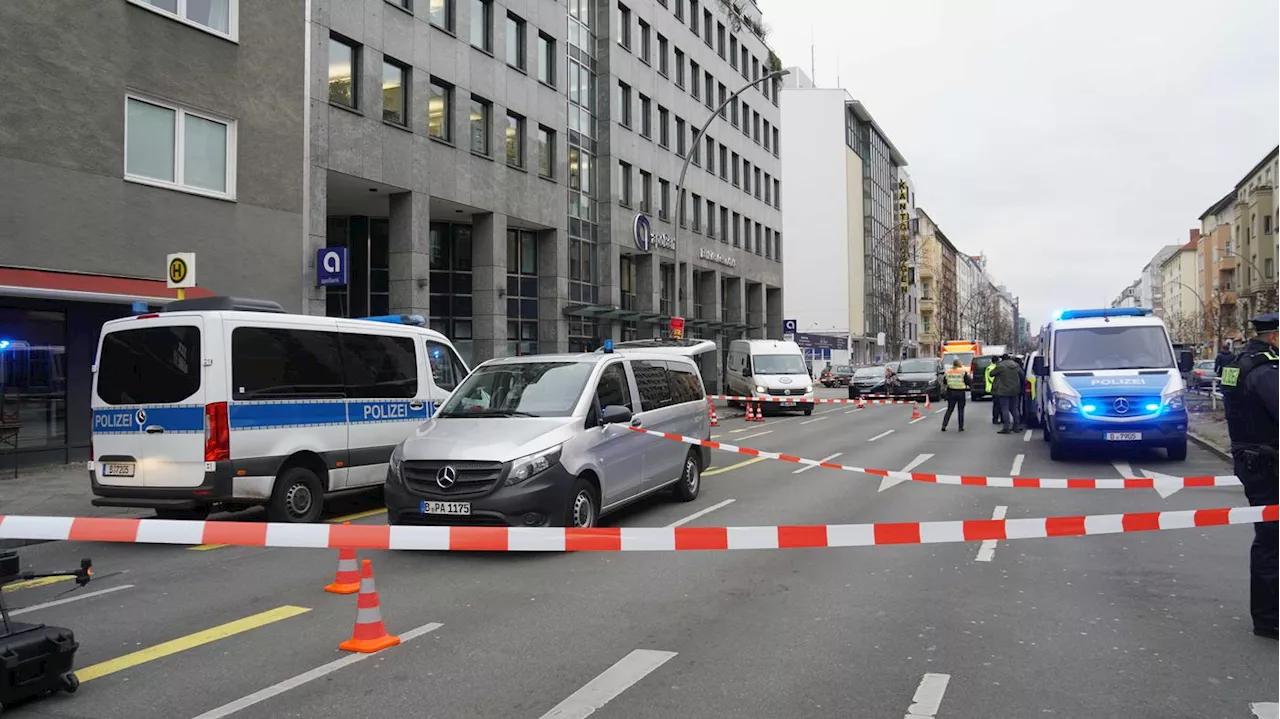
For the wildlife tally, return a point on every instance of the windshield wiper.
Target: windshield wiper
(483, 413)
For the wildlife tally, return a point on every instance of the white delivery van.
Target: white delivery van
(769, 368)
(218, 403)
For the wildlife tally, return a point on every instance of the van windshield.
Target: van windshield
(520, 389)
(1096, 348)
(778, 364)
(876, 371)
(965, 358)
(918, 366)
(152, 365)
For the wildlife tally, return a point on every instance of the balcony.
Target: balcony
(928, 305)
(925, 270)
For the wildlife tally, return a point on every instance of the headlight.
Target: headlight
(396, 462)
(808, 390)
(760, 389)
(1064, 402)
(533, 465)
(1173, 400)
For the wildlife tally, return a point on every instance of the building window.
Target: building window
(768, 243)
(746, 120)
(733, 163)
(644, 41)
(679, 11)
(693, 16)
(708, 82)
(742, 66)
(1269, 267)
(733, 111)
(721, 92)
(440, 110)
(733, 52)
(679, 69)
(482, 25)
(450, 284)
(646, 191)
(481, 116)
(546, 60)
(759, 238)
(755, 69)
(746, 176)
(516, 43)
(442, 14)
(664, 199)
(172, 147)
(546, 151)
(515, 140)
(220, 16)
(522, 292)
(706, 27)
(724, 224)
(624, 183)
(711, 156)
(711, 219)
(756, 183)
(646, 121)
(664, 139)
(695, 80)
(777, 193)
(777, 247)
(662, 55)
(775, 142)
(697, 213)
(724, 163)
(395, 92)
(737, 237)
(682, 208)
(343, 72)
(768, 189)
(766, 134)
(1266, 224)
(755, 127)
(720, 39)
(624, 104)
(624, 26)
(680, 137)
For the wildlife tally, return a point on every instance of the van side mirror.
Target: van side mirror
(1038, 367)
(615, 414)
(1186, 361)
(746, 370)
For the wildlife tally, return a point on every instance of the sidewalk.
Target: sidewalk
(1209, 430)
(55, 490)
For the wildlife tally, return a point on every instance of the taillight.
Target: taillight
(217, 433)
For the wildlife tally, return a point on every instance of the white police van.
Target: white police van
(219, 403)
(1110, 377)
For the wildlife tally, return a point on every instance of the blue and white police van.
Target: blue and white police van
(219, 403)
(1110, 377)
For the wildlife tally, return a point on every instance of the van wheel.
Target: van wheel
(584, 508)
(808, 410)
(195, 515)
(1057, 451)
(686, 490)
(297, 497)
(1177, 451)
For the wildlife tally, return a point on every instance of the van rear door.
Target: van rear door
(149, 403)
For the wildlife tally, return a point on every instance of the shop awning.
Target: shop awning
(16, 282)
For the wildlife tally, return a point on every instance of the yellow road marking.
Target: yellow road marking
(205, 547)
(357, 515)
(164, 649)
(753, 460)
(32, 583)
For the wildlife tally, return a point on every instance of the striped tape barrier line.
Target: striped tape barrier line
(611, 539)
(1162, 482)
(816, 400)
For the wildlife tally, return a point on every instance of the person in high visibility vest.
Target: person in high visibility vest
(958, 382)
(989, 375)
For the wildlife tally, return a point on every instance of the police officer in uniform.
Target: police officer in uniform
(958, 382)
(1249, 382)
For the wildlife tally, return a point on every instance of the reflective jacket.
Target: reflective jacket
(957, 379)
(990, 374)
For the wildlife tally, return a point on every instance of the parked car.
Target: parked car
(1202, 375)
(867, 380)
(837, 376)
(919, 377)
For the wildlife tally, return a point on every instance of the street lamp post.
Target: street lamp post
(688, 156)
(1204, 306)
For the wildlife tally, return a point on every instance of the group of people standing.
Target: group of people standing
(1004, 380)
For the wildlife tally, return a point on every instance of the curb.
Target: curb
(1211, 447)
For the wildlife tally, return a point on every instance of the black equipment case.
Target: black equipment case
(34, 659)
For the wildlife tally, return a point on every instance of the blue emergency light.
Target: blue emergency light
(1102, 312)
(415, 320)
(608, 346)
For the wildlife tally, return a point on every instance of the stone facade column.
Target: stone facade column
(553, 291)
(489, 286)
(648, 291)
(410, 253)
(755, 311)
(773, 313)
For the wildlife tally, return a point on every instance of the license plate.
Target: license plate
(1123, 436)
(117, 469)
(462, 508)
(787, 404)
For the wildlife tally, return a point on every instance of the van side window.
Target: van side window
(685, 385)
(651, 380)
(380, 366)
(277, 363)
(447, 370)
(614, 388)
(155, 365)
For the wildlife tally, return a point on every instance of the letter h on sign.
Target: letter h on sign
(331, 266)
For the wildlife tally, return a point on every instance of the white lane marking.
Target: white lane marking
(987, 549)
(699, 513)
(940, 411)
(1017, 466)
(68, 600)
(1265, 710)
(837, 408)
(855, 409)
(612, 682)
(293, 683)
(928, 696)
(1164, 484)
(1026, 436)
(882, 434)
(917, 419)
(757, 434)
(815, 419)
(887, 482)
(808, 467)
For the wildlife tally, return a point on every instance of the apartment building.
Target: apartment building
(1255, 234)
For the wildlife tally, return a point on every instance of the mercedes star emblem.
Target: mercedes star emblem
(447, 476)
(1122, 405)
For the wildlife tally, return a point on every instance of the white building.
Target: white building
(1154, 280)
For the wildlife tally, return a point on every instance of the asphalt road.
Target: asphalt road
(1135, 625)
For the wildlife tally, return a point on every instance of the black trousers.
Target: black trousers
(1261, 489)
(955, 399)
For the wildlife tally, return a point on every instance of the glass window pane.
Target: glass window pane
(515, 141)
(442, 13)
(341, 81)
(438, 112)
(528, 253)
(166, 5)
(546, 59)
(149, 136)
(545, 151)
(393, 92)
(215, 14)
(205, 154)
(480, 21)
(160, 365)
(479, 126)
(515, 42)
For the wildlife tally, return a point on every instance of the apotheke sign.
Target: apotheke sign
(718, 258)
(645, 237)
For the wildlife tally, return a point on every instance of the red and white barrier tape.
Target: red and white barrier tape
(816, 400)
(610, 539)
(967, 480)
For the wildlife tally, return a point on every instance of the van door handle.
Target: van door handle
(636, 422)
(416, 404)
(154, 429)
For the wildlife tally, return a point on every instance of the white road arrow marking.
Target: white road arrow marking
(887, 482)
(1265, 710)
(1164, 484)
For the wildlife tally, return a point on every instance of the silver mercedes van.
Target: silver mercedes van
(543, 440)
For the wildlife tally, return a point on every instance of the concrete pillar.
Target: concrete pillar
(648, 291)
(410, 253)
(489, 285)
(773, 313)
(735, 299)
(553, 291)
(313, 300)
(755, 311)
(687, 294)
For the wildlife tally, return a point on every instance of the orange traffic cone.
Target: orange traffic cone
(928, 402)
(862, 403)
(711, 408)
(760, 412)
(370, 634)
(347, 580)
(915, 414)
(751, 412)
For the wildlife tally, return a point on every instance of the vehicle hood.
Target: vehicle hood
(489, 439)
(878, 379)
(1126, 382)
(918, 376)
(795, 382)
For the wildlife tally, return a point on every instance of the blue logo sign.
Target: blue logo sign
(645, 237)
(789, 327)
(331, 266)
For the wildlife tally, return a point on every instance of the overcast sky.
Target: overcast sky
(1069, 140)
